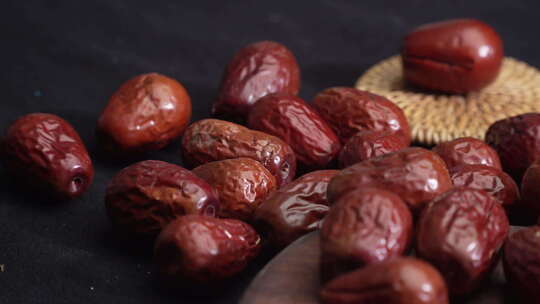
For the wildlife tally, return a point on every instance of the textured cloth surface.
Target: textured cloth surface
(67, 57)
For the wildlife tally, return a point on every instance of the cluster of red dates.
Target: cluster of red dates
(450, 203)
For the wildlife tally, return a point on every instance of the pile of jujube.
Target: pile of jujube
(373, 196)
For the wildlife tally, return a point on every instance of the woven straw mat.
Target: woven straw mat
(438, 118)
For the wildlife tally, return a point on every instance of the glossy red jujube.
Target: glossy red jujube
(44, 151)
(517, 141)
(467, 151)
(520, 260)
(349, 111)
(454, 56)
(364, 226)
(295, 122)
(203, 249)
(398, 281)
(415, 174)
(489, 179)
(242, 185)
(210, 140)
(255, 71)
(530, 187)
(146, 113)
(369, 144)
(144, 197)
(294, 209)
(460, 233)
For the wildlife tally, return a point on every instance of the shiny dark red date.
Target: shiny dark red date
(517, 141)
(369, 144)
(203, 249)
(349, 111)
(44, 151)
(397, 281)
(146, 196)
(146, 113)
(210, 140)
(455, 56)
(520, 260)
(489, 179)
(364, 226)
(467, 151)
(255, 71)
(242, 185)
(295, 209)
(295, 122)
(460, 233)
(415, 174)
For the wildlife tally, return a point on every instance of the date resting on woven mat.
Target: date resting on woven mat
(437, 117)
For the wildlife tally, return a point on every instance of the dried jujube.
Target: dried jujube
(255, 71)
(460, 233)
(349, 111)
(415, 174)
(295, 122)
(210, 140)
(44, 152)
(144, 197)
(397, 281)
(364, 226)
(242, 185)
(203, 249)
(146, 113)
(294, 209)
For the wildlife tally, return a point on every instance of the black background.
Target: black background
(67, 57)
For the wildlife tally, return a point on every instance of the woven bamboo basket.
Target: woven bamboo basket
(436, 118)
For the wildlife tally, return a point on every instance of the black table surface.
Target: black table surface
(67, 57)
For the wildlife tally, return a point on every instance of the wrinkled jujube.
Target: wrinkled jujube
(398, 281)
(489, 179)
(415, 174)
(146, 113)
(530, 187)
(521, 259)
(467, 151)
(144, 197)
(460, 233)
(242, 185)
(295, 209)
(517, 141)
(44, 151)
(203, 249)
(295, 122)
(349, 111)
(369, 144)
(364, 226)
(210, 140)
(255, 71)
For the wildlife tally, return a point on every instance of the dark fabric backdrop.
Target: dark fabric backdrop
(67, 57)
